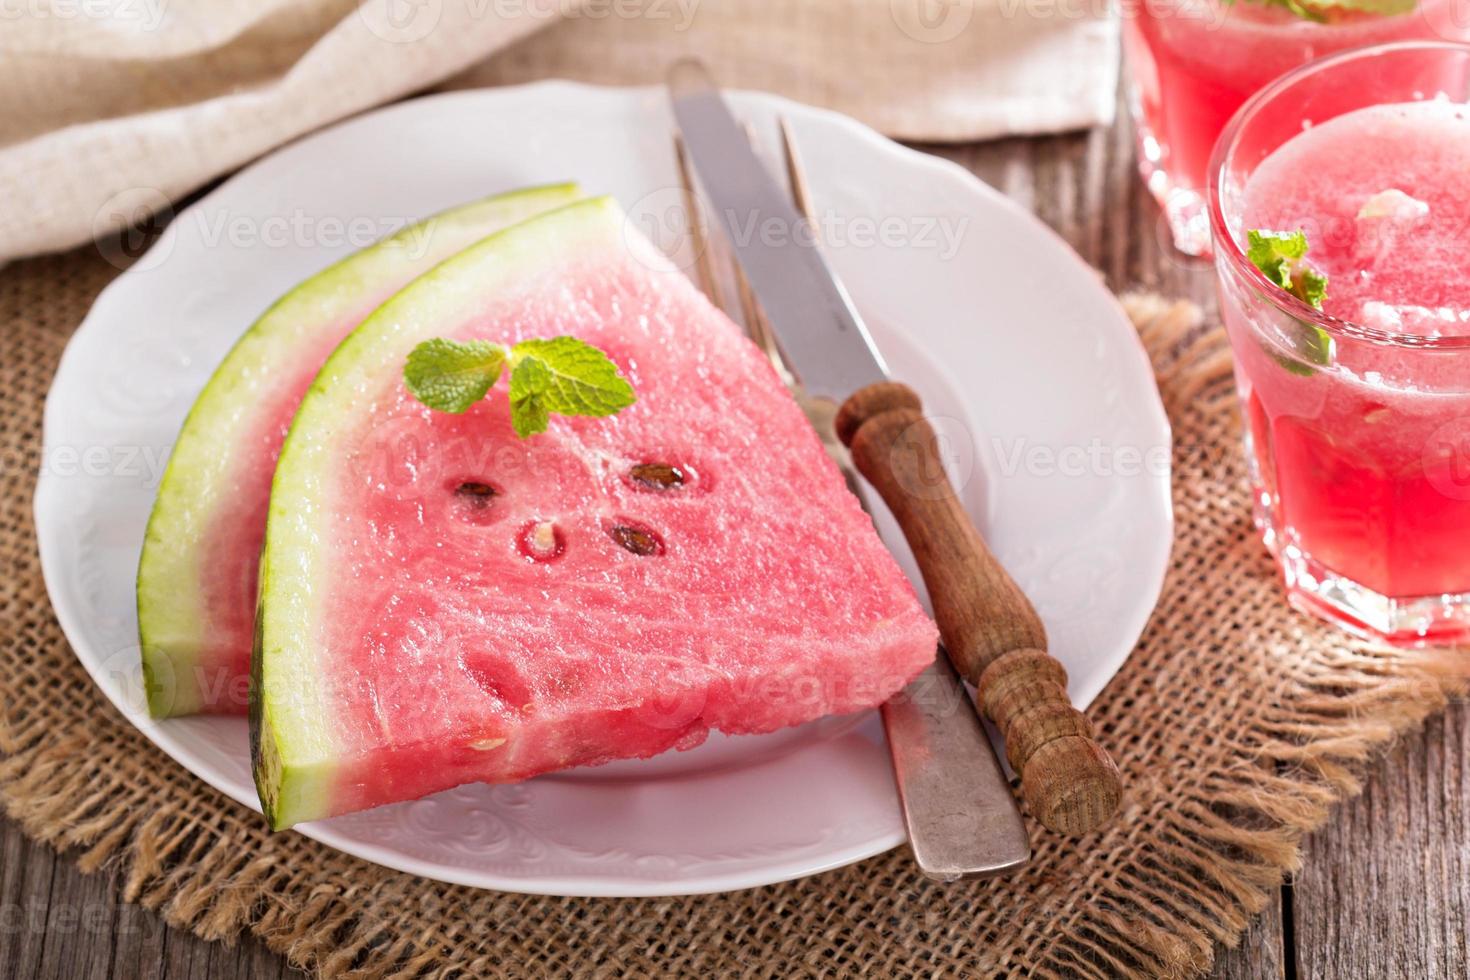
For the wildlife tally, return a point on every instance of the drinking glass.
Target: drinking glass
(1192, 63)
(1359, 449)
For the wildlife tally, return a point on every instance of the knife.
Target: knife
(993, 635)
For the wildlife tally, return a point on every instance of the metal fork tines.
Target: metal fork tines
(749, 314)
(958, 807)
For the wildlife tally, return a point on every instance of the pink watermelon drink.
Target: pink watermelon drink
(197, 575)
(1194, 62)
(445, 602)
(1358, 398)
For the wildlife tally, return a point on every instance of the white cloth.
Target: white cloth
(109, 107)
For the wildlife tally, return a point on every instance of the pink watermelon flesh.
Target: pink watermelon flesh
(446, 651)
(197, 575)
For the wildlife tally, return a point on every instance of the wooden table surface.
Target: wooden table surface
(1385, 892)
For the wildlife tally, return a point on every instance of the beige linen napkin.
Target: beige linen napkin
(112, 109)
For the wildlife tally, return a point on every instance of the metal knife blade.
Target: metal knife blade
(962, 819)
(961, 815)
(822, 338)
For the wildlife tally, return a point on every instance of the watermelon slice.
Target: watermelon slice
(443, 602)
(197, 576)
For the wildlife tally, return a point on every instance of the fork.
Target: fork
(961, 815)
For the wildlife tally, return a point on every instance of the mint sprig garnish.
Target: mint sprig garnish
(1281, 255)
(450, 376)
(562, 375)
(1318, 10)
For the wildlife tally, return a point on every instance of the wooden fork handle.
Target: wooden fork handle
(989, 627)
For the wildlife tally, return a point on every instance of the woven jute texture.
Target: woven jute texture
(1237, 724)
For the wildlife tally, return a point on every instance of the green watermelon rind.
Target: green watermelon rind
(290, 725)
(171, 621)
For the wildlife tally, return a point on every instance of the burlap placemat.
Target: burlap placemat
(1237, 724)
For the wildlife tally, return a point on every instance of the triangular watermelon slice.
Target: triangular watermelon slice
(197, 576)
(443, 602)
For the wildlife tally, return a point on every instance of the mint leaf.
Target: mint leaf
(561, 375)
(1281, 255)
(1295, 6)
(449, 376)
(1319, 10)
(1384, 8)
(573, 378)
(1312, 343)
(1311, 286)
(528, 383)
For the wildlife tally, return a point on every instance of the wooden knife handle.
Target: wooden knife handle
(993, 634)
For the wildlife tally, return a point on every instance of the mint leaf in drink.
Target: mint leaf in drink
(562, 375)
(1321, 11)
(1312, 343)
(1281, 255)
(1383, 8)
(449, 376)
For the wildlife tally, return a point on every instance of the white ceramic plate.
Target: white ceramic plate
(1040, 385)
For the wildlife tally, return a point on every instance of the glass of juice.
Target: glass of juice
(1339, 201)
(1192, 63)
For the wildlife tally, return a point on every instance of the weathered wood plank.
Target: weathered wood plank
(1262, 953)
(140, 942)
(1386, 887)
(25, 897)
(56, 922)
(246, 960)
(81, 921)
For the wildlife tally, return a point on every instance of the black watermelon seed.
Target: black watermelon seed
(477, 495)
(638, 540)
(656, 476)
